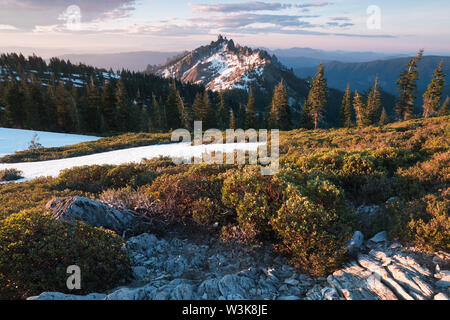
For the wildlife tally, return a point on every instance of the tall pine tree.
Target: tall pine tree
(64, 110)
(251, 120)
(92, 109)
(233, 123)
(15, 105)
(362, 115)
(408, 88)
(433, 96)
(317, 98)
(122, 106)
(384, 119)
(374, 103)
(280, 117)
(203, 110)
(223, 113)
(172, 108)
(346, 112)
(109, 111)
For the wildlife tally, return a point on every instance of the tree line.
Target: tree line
(60, 96)
(360, 112)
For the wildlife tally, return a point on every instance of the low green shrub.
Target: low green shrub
(424, 222)
(314, 225)
(206, 212)
(432, 233)
(255, 198)
(86, 178)
(424, 177)
(15, 197)
(35, 251)
(10, 175)
(99, 178)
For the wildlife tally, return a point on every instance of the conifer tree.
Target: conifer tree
(64, 110)
(384, 120)
(15, 105)
(199, 108)
(51, 109)
(232, 124)
(172, 108)
(408, 88)
(317, 98)
(78, 123)
(187, 114)
(345, 115)
(433, 96)
(362, 119)
(203, 110)
(158, 116)
(280, 117)
(242, 116)
(35, 106)
(122, 106)
(223, 113)
(109, 106)
(251, 120)
(143, 120)
(306, 121)
(92, 109)
(154, 123)
(210, 118)
(374, 103)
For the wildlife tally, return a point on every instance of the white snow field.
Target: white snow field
(32, 170)
(13, 140)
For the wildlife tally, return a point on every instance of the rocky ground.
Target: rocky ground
(177, 265)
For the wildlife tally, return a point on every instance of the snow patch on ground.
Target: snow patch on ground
(32, 170)
(13, 140)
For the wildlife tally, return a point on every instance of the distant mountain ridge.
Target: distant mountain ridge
(133, 61)
(361, 76)
(308, 57)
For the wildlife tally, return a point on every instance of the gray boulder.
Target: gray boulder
(379, 237)
(94, 213)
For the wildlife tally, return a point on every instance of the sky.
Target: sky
(54, 27)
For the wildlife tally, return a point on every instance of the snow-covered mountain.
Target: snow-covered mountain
(224, 65)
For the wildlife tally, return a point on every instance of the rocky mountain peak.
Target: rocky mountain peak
(221, 65)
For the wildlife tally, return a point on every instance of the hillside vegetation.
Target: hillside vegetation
(308, 211)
